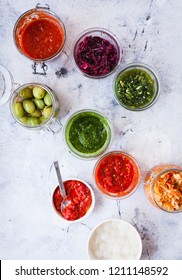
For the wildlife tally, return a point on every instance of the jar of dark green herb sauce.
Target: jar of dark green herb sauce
(136, 87)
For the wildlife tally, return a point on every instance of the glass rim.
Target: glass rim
(8, 82)
(108, 33)
(150, 71)
(115, 197)
(48, 11)
(153, 185)
(16, 92)
(106, 144)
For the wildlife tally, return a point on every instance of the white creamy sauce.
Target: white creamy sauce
(115, 240)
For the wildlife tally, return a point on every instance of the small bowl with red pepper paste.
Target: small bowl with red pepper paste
(81, 197)
(97, 53)
(117, 175)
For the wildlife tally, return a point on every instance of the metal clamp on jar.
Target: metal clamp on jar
(39, 34)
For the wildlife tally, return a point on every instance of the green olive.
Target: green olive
(48, 99)
(24, 119)
(42, 119)
(29, 106)
(36, 113)
(47, 112)
(26, 93)
(32, 121)
(38, 92)
(18, 109)
(39, 103)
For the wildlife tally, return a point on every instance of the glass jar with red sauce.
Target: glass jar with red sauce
(117, 175)
(81, 197)
(39, 34)
(163, 187)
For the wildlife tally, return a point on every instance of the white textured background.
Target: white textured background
(150, 32)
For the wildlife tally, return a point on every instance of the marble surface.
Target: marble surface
(150, 32)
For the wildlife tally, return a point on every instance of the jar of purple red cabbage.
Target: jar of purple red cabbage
(97, 53)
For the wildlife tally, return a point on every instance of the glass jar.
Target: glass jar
(163, 187)
(55, 107)
(103, 34)
(36, 45)
(133, 98)
(92, 134)
(117, 175)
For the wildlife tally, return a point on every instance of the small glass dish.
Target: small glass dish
(163, 187)
(62, 219)
(117, 175)
(87, 133)
(139, 90)
(55, 106)
(95, 50)
(114, 239)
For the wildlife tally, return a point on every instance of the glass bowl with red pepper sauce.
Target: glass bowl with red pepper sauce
(97, 53)
(163, 187)
(81, 197)
(39, 34)
(117, 175)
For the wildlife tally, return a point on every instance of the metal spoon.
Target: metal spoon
(65, 201)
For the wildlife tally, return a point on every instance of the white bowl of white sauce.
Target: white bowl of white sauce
(114, 239)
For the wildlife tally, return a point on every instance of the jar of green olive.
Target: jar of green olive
(34, 106)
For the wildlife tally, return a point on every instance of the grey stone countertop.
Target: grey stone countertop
(150, 32)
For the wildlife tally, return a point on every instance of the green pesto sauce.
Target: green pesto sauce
(87, 133)
(135, 88)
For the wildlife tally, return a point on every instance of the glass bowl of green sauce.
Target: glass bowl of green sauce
(88, 133)
(136, 86)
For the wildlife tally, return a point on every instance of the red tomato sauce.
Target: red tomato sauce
(41, 38)
(80, 197)
(117, 174)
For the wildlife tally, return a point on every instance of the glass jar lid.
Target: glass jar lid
(6, 84)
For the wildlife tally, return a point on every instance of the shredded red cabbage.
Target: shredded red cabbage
(96, 56)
